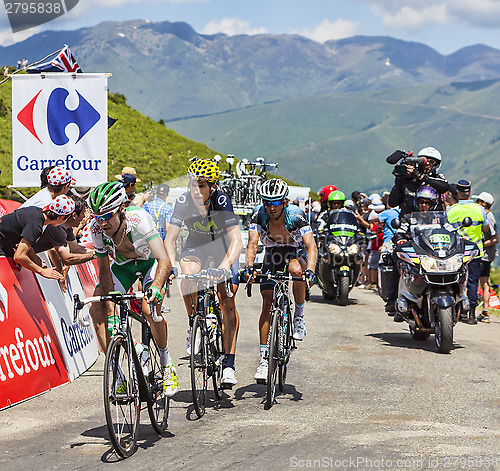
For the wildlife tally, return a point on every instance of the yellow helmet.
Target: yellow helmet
(206, 169)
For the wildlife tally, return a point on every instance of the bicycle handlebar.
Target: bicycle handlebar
(202, 276)
(262, 277)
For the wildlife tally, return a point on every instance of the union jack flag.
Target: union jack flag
(63, 62)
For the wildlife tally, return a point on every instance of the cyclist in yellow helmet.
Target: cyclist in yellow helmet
(214, 243)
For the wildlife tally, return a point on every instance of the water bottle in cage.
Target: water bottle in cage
(143, 354)
(212, 323)
(113, 323)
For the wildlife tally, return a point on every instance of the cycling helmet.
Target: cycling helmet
(206, 169)
(428, 193)
(106, 197)
(274, 190)
(433, 153)
(325, 192)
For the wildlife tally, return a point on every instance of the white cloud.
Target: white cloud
(416, 14)
(7, 37)
(327, 30)
(231, 27)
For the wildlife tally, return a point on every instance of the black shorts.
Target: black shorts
(277, 258)
(485, 268)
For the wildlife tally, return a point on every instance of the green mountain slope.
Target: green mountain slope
(157, 153)
(344, 139)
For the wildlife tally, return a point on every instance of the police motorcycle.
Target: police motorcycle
(339, 255)
(433, 276)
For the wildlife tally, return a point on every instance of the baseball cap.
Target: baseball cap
(128, 178)
(59, 176)
(61, 205)
(463, 185)
(129, 170)
(486, 197)
(162, 189)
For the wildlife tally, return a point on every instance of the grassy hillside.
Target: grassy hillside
(344, 139)
(157, 153)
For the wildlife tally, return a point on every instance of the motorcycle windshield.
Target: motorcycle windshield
(433, 232)
(342, 226)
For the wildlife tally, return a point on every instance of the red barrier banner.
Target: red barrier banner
(31, 361)
(89, 276)
(7, 206)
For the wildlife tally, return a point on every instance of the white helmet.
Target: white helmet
(274, 190)
(433, 153)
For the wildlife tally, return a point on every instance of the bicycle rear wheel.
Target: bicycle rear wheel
(274, 349)
(121, 397)
(218, 357)
(199, 365)
(158, 403)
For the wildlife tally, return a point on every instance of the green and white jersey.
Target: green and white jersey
(140, 231)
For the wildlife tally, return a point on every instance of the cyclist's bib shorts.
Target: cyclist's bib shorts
(125, 275)
(276, 259)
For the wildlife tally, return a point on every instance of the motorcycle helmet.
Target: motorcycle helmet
(431, 153)
(428, 193)
(336, 197)
(325, 192)
(274, 189)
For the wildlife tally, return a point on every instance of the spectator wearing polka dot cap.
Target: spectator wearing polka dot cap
(59, 182)
(20, 230)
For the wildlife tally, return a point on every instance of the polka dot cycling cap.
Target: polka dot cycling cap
(62, 205)
(59, 176)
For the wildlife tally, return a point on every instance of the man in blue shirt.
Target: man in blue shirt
(160, 211)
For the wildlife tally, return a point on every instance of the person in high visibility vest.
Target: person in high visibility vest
(456, 214)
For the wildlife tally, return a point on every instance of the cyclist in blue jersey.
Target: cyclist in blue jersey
(288, 238)
(214, 243)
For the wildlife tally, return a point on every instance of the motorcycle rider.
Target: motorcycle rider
(336, 200)
(324, 193)
(425, 174)
(427, 199)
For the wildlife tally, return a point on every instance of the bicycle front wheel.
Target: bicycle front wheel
(158, 403)
(121, 397)
(273, 361)
(218, 357)
(199, 365)
(287, 349)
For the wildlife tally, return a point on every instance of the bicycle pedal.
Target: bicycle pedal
(226, 386)
(261, 381)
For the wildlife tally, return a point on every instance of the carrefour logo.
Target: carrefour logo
(85, 116)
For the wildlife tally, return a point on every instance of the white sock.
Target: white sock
(263, 351)
(299, 310)
(165, 359)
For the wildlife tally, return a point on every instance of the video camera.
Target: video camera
(405, 159)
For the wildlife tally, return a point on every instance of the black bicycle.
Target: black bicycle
(280, 341)
(207, 340)
(128, 379)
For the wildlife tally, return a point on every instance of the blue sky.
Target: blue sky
(445, 25)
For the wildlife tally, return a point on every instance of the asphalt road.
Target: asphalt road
(361, 394)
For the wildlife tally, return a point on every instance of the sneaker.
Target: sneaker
(398, 317)
(261, 373)
(484, 317)
(170, 381)
(299, 328)
(390, 308)
(228, 378)
(121, 387)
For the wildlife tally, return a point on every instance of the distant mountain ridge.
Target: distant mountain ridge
(168, 70)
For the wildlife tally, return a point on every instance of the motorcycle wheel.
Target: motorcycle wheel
(418, 334)
(444, 330)
(343, 290)
(327, 297)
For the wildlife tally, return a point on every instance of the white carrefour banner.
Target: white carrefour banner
(60, 119)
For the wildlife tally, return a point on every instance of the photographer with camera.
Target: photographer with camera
(413, 172)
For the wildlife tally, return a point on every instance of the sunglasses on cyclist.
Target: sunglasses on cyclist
(104, 217)
(427, 202)
(272, 203)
